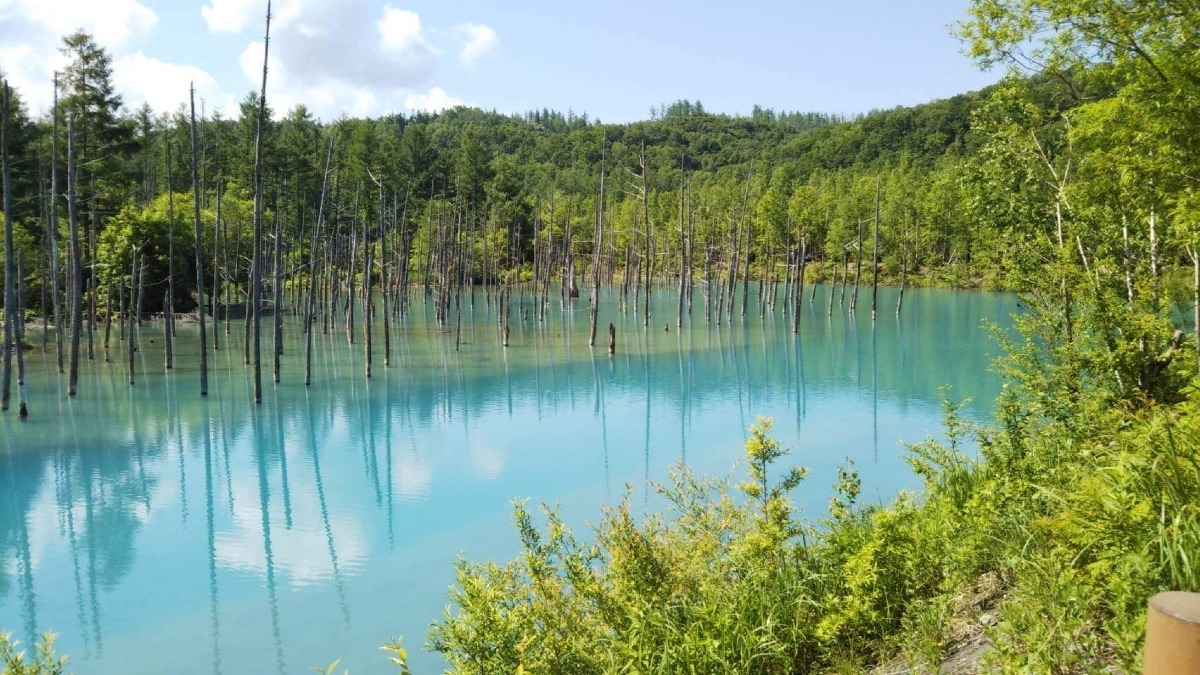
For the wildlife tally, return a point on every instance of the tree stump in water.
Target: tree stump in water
(612, 339)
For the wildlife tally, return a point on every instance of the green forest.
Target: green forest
(1074, 181)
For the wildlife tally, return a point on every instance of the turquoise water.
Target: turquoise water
(157, 531)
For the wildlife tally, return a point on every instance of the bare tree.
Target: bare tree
(10, 305)
(53, 233)
(75, 276)
(597, 247)
(875, 256)
(168, 305)
(256, 263)
(199, 256)
(311, 314)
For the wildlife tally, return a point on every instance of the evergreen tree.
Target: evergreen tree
(103, 138)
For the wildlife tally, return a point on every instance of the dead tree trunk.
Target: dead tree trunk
(746, 247)
(134, 302)
(597, 248)
(76, 272)
(19, 329)
(875, 257)
(366, 288)
(646, 223)
(277, 296)
(905, 252)
(857, 267)
(53, 233)
(708, 281)
(310, 316)
(168, 328)
(10, 308)
(141, 289)
(384, 290)
(199, 253)
(746, 256)
(108, 315)
(256, 270)
(350, 271)
(682, 243)
(91, 325)
(798, 284)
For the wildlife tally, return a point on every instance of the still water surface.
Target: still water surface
(157, 531)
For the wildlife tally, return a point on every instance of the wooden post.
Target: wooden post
(1172, 634)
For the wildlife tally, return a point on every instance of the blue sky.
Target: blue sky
(614, 60)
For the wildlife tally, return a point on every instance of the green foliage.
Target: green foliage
(331, 669)
(147, 230)
(949, 216)
(1060, 528)
(709, 589)
(13, 660)
(1074, 185)
(397, 656)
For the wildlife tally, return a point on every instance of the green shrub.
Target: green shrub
(43, 661)
(1059, 529)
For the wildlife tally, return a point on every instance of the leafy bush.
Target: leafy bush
(1059, 531)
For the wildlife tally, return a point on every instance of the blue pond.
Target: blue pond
(158, 531)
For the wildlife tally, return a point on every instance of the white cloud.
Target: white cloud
(145, 79)
(338, 57)
(31, 33)
(112, 22)
(487, 461)
(230, 16)
(30, 71)
(400, 33)
(344, 58)
(432, 101)
(343, 41)
(234, 16)
(412, 477)
(326, 97)
(300, 553)
(479, 40)
(251, 61)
